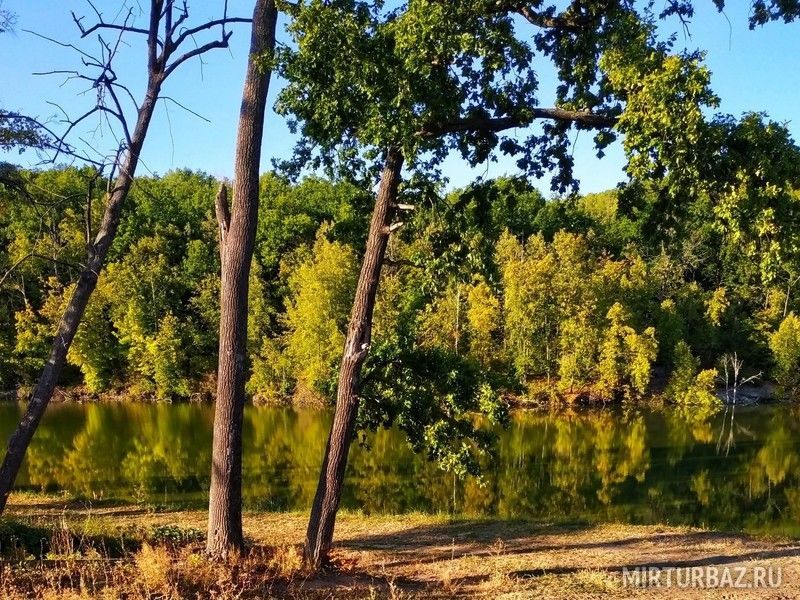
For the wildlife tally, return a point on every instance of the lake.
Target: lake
(732, 470)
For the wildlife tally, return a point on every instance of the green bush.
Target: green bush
(785, 346)
(688, 384)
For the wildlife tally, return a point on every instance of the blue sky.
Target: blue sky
(752, 70)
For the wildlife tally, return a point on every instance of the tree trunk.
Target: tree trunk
(237, 240)
(71, 318)
(319, 536)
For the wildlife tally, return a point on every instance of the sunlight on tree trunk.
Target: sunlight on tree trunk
(359, 332)
(237, 239)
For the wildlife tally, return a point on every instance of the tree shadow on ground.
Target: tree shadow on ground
(578, 548)
(480, 538)
(468, 532)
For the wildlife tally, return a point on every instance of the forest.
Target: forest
(561, 299)
(312, 373)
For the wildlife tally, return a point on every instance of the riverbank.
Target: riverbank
(541, 394)
(113, 550)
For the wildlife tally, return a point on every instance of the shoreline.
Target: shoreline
(540, 398)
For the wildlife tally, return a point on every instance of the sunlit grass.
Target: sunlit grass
(56, 548)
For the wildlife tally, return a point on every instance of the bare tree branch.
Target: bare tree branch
(152, 38)
(30, 255)
(160, 63)
(48, 140)
(186, 108)
(85, 32)
(186, 33)
(119, 112)
(179, 21)
(222, 43)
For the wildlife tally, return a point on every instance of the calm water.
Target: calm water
(733, 471)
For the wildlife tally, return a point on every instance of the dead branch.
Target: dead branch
(164, 57)
(12, 268)
(100, 24)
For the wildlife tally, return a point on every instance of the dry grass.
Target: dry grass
(71, 550)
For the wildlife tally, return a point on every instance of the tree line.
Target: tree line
(381, 95)
(525, 296)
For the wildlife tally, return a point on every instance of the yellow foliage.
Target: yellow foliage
(717, 305)
(322, 288)
(484, 317)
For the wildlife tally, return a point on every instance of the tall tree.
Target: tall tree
(412, 86)
(411, 83)
(166, 34)
(357, 343)
(237, 238)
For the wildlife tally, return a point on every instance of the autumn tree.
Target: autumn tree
(321, 288)
(785, 343)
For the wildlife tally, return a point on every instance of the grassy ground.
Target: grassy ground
(60, 549)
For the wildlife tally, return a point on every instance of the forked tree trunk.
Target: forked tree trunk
(237, 240)
(71, 318)
(319, 536)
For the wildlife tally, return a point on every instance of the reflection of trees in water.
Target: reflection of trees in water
(99, 450)
(687, 426)
(730, 430)
(282, 453)
(749, 477)
(777, 459)
(636, 466)
(551, 462)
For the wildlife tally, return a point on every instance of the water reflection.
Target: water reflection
(727, 470)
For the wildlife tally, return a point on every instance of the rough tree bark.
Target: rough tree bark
(160, 51)
(237, 240)
(319, 536)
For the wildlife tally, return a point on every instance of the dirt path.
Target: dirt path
(429, 556)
